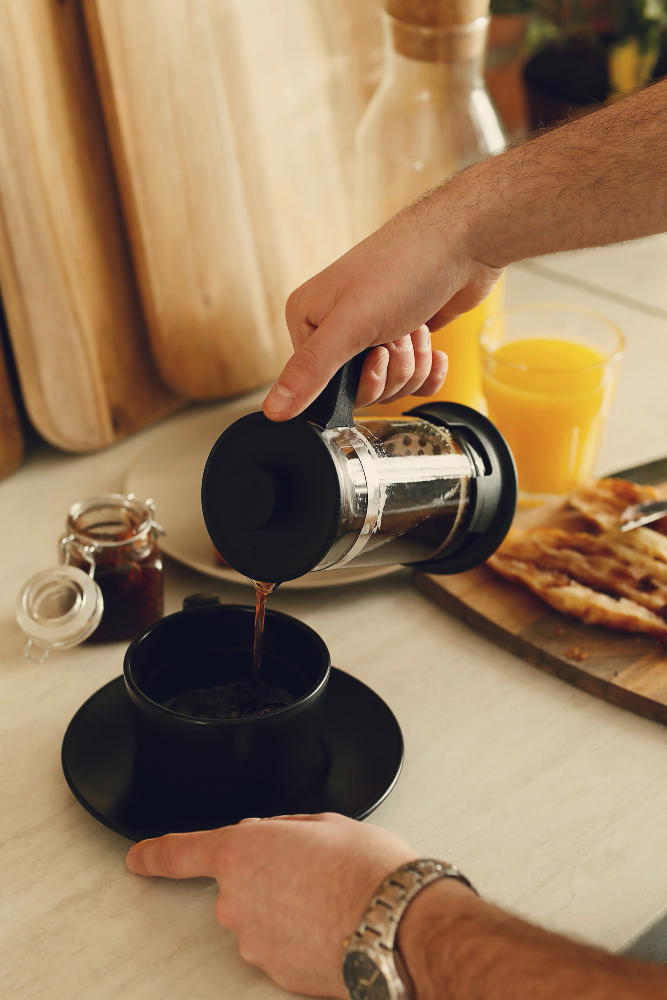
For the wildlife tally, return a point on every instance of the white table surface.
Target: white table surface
(553, 802)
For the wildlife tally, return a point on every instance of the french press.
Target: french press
(435, 488)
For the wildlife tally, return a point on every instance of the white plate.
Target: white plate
(170, 471)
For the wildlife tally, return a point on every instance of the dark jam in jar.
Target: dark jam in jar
(115, 536)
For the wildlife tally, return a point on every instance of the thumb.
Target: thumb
(313, 364)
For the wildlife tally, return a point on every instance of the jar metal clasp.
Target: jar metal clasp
(154, 525)
(67, 543)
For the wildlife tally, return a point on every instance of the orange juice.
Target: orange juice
(460, 342)
(549, 397)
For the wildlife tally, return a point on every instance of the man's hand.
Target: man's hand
(291, 888)
(593, 181)
(385, 293)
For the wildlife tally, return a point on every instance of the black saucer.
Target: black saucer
(362, 742)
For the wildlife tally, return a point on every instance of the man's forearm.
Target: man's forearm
(458, 947)
(600, 179)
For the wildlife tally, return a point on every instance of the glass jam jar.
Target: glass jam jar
(110, 586)
(114, 539)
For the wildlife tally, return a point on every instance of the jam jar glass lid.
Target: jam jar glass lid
(58, 608)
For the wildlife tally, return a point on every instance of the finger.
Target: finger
(176, 855)
(373, 376)
(341, 336)
(434, 382)
(421, 347)
(401, 367)
(300, 817)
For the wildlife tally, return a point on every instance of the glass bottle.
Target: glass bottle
(430, 117)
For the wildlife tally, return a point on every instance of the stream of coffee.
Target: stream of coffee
(262, 591)
(239, 696)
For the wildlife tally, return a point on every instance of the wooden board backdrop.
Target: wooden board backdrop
(11, 436)
(75, 320)
(231, 124)
(628, 670)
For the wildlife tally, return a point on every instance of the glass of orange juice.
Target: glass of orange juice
(548, 376)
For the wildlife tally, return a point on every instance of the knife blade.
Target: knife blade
(638, 514)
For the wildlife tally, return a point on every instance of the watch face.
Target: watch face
(363, 978)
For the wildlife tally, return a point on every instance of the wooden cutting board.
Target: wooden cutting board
(75, 320)
(626, 670)
(11, 436)
(231, 128)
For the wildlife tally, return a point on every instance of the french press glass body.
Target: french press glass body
(435, 488)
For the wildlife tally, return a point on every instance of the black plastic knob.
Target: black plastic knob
(271, 497)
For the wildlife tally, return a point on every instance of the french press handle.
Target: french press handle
(334, 406)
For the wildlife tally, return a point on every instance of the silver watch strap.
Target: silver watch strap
(390, 900)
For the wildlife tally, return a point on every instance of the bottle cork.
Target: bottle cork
(431, 30)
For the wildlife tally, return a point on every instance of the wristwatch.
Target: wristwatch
(372, 967)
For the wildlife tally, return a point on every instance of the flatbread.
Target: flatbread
(602, 576)
(603, 502)
(573, 598)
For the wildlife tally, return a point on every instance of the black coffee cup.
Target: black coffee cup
(258, 765)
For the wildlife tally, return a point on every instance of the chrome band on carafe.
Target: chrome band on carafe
(361, 494)
(370, 471)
